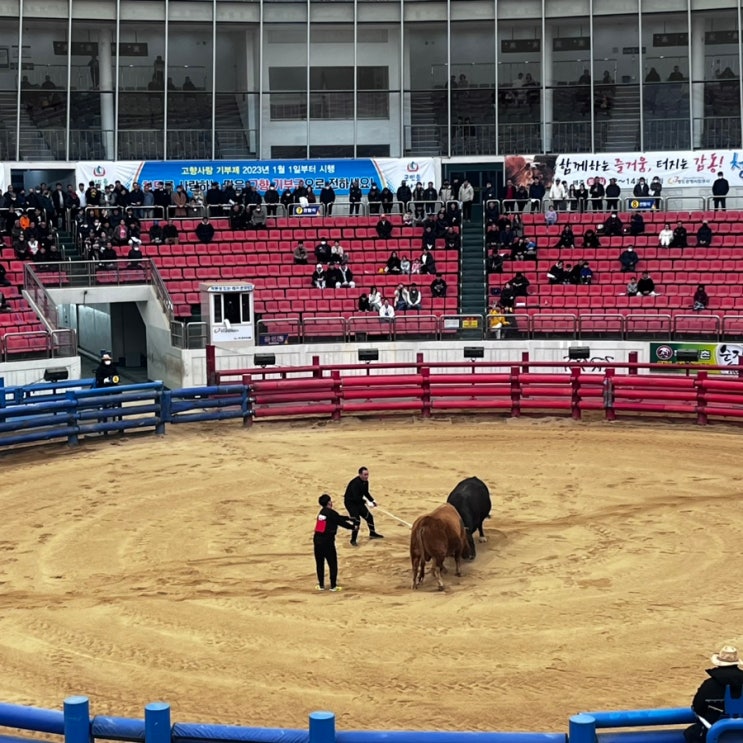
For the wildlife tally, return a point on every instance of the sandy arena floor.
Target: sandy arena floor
(180, 569)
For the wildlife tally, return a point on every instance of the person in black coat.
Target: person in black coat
(680, 237)
(384, 228)
(709, 701)
(404, 195)
(388, 199)
(205, 231)
(641, 189)
(720, 190)
(704, 235)
(272, 198)
(354, 198)
(326, 527)
(357, 499)
(327, 199)
(612, 194)
(374, 199)
(596, 191)
(636, 224)
(106, 373)
(613, 226)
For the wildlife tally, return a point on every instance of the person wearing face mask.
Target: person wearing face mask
(106, 373)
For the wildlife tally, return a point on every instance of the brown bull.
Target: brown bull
(436, 536)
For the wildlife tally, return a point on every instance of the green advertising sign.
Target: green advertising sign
(707, 354)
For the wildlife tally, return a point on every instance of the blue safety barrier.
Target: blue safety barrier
(78, 727)
(47, 412)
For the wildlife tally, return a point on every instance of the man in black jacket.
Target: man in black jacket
(720, 190)
(356, 499)
(327, 199)
(404, 195)
(613, 193)
(326, 526)
(709, 701)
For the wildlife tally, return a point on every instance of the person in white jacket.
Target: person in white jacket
(665, 236)
(386, 311)
(557, 194)
(466, 196)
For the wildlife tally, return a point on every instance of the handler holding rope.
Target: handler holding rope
(355, 499)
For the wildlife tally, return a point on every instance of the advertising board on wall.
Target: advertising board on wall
(340, 174)
(683, 169)
(708, 354)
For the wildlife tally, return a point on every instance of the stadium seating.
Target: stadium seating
(676, 271)
(265, 258)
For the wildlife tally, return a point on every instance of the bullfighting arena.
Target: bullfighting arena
(140, 568)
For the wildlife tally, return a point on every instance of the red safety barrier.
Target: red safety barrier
(425, 389)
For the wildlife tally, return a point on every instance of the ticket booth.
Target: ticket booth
(227, 308)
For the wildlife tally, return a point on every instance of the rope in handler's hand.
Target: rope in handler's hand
(371, 507)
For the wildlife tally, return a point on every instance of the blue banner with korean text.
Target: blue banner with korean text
(339, 174)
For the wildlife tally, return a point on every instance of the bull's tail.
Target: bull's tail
(419, 560)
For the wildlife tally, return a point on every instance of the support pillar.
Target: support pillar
(549, 81)
(106, 88)
(696, 77)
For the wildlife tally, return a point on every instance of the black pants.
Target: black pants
(719, 202)
(357, 513)
(325, 552)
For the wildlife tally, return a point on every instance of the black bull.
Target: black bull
(471, 498)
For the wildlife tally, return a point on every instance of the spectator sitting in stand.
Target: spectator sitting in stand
(520, 285)
(556, 274)
(393, 264)
(343, 277)
(258, 218)
(613, 226)
(375, 299)
(300, 254)
(108, 256)
(701, 299)
(135, 253)
(665, 236)
(452, 239)
(413, 297)
(400, 299)
(704, 235)
(550, 216)
(170, 233)
(646, 286)
(492, 212)
(636, 224)
(364, 305)
(386, 311)
(591, 239)
(438, 287)
(507, 297)
(319, 277)
(632, 288)
(629, 259)
(156, 233)
(492, 235)
(384, 228)
(428, 263)
(405, 264)
(495, 261)
(408, 219)
(322, 251)
(238, 217)
(333, 278)
(574, 273)
(428, 239)
(680, 237)
(205, 230)
(120, 234)
(567, 238)
(586, 273)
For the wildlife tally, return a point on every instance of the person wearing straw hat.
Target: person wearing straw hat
(326, 526)
(709, 701)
